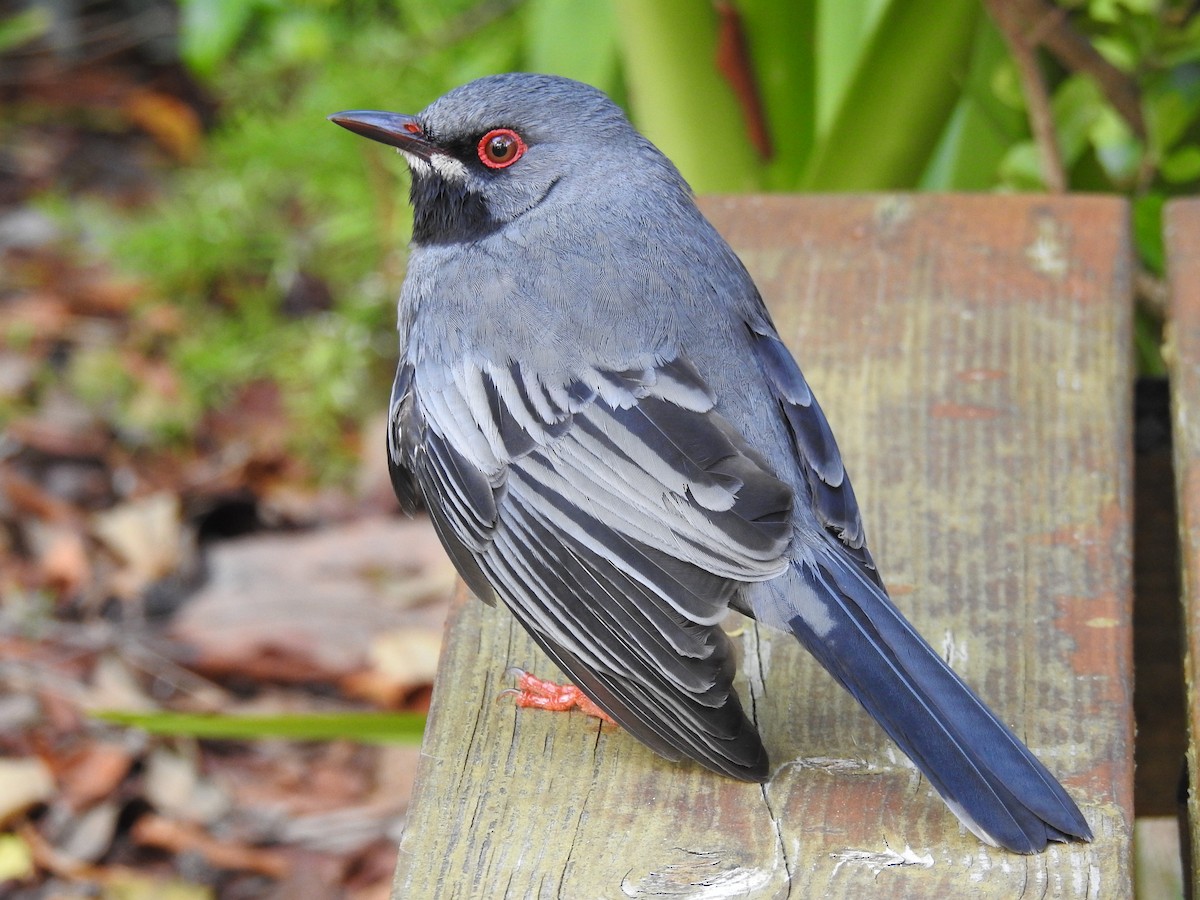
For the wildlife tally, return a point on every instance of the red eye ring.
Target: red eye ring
(500, 148)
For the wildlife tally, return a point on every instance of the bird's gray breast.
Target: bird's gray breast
(552, 295)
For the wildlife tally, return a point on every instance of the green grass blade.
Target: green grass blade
(406, 728)
(900, 99)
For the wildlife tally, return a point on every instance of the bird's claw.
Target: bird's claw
(537, 693)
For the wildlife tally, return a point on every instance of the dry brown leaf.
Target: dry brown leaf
(62, 557)
(41, 315)
(30, 501)
(93, 772)
(178, 837)
(402, 660)
(172, 123)
(125, 884)
(305, 607)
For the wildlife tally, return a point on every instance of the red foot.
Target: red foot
(534, 692)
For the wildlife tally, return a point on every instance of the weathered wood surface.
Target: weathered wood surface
(1183, 254)
(973, 355)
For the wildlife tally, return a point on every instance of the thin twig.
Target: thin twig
(1009, 18)
(1054, 31)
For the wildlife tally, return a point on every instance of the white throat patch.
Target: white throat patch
(449, 167)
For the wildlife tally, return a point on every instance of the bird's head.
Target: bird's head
(494, 149)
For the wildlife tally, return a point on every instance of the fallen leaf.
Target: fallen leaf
(180, 837)
(24, 783)
(30, 501)
(129, 885)
(62, 558)
(38, 315)
(89, 835)
(175, 787)
(16, 858)
(305, 607)
(93, 773)
(115, 686)
(401, 661)
(172, 123)
(147, 536)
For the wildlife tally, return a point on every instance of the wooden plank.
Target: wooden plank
(972, 353)
(1182, 226)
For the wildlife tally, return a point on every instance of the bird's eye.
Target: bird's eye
(500, 148)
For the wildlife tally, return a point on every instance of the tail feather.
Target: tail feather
(983, 771)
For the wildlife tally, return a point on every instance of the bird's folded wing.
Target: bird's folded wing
(615, 514)
(831, 496)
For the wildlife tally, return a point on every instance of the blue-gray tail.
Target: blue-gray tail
(983, 771)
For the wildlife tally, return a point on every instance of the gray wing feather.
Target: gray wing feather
(616, 514)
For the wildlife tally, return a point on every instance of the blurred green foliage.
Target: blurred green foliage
(855, 95)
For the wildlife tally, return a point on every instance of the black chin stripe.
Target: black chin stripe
(445, 213)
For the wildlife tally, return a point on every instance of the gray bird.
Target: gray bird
(609, 435)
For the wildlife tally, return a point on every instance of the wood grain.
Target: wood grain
(973, 355)
(1182, 226)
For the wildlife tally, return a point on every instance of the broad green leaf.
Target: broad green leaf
(364, 727)
(900, 99)
(679, 99)
(577, 40)
(1172, 105)
(1116, 147)
(1182, 166)
(843, 28)
(209, 29)
(778, 35)
(1021, 168)
(1076, 106)
(982, 128)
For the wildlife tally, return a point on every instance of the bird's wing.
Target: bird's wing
(831, 497)
(615, 514)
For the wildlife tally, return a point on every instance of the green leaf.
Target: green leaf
(1172, 106)
(982, 128)
(1148, 231)
(843, 29)
(1119, 152)
(1182, 166)
(1021, 167)
(678, 99)
(23, 27)
(573, 39)
(1076, 106)
(209, 30)
(786, 80)
(364, 727)
(900, 99)
(1147, 339)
